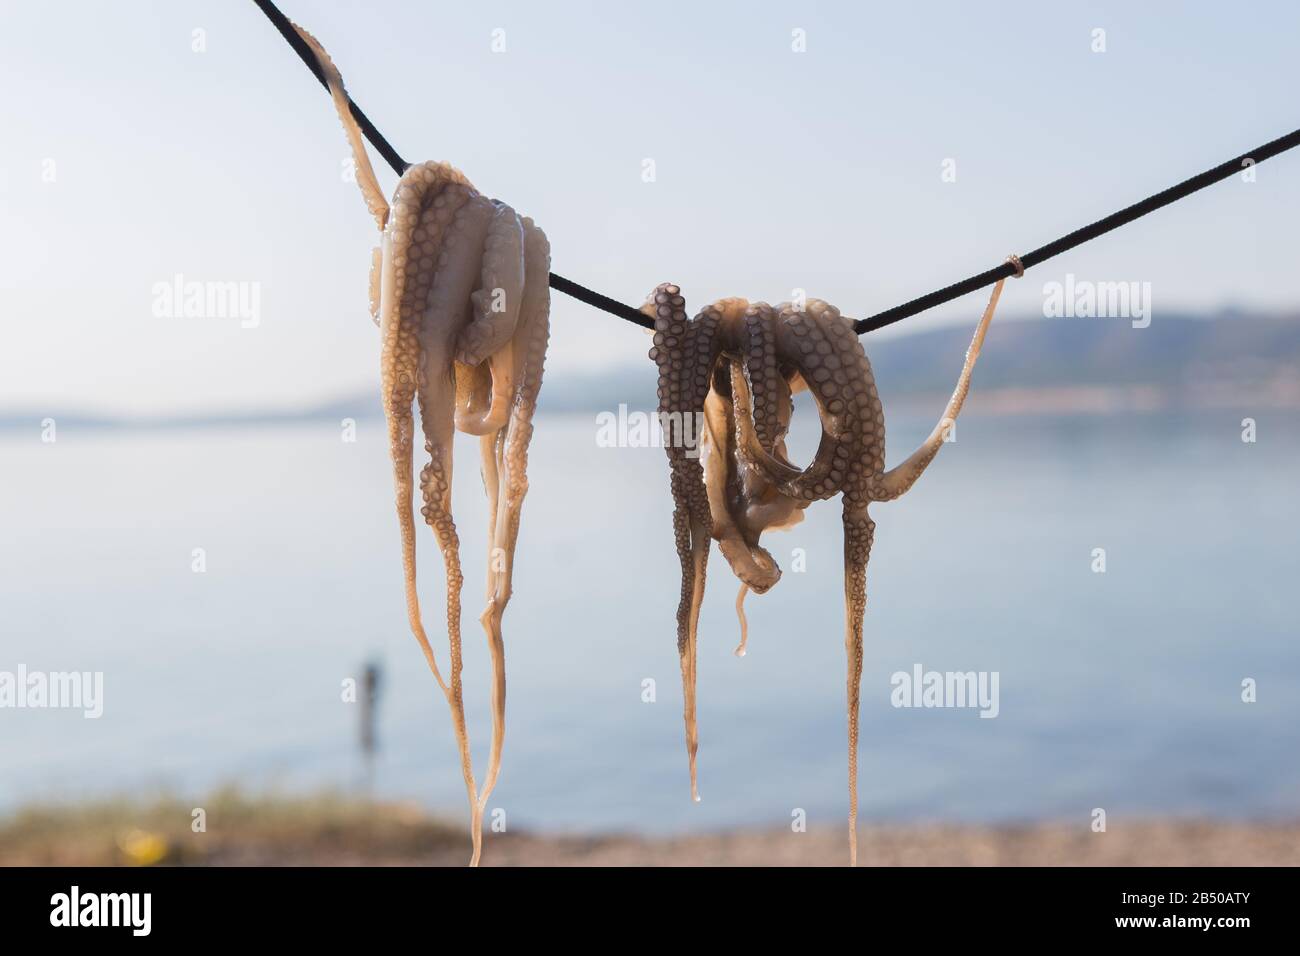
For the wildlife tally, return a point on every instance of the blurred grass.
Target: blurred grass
(336, 830)
(240, 829)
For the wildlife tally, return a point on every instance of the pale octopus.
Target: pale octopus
(735, 366)
(459, 289)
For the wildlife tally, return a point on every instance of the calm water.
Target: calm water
(1118, 690)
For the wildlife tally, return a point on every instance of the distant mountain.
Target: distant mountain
(1229, 360)
(1050, 352)
(1048, 364)
(1076, 364)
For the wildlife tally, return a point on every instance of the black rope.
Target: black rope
(394, 159)
(1080, 236)
(300, 46)
(880, 319)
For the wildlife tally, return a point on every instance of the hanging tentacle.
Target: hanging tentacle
(759, 395)
(405, 283)
(510, 449)
(744, 622)
(490, 470)
(726, 482)
(395, 287)
(753, 503)
(490, 467)
(376, 280)
(459, 288)
(365, 173)
(751, 486)
(859, 532)
(899, 479)
(769, 392)
(686, 352)
(445, 311)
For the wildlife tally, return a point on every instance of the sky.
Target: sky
(134, 149)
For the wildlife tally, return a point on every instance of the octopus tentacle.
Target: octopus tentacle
(749, 444)
(497, 299)
(724, 484)
(818, 342)
(484, 408)
(859, 532)
(488, 337)
(404, 283)
(744, 622)
(370, 190)
(729, 408)
(738, 536)
(510, 471)
(376, 279)
(490, 470)
(491, 449)
(686, 352)
(768, 387)
(391, 307)
(459, 289)
(761, 396)
(899, 479)
(475, 400)
(445, 308)
(760, 356)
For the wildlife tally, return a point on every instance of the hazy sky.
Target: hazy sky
(126, 158)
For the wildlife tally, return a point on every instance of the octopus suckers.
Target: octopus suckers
(738, 365)
(459, 287)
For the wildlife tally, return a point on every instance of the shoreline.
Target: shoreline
(336, 831)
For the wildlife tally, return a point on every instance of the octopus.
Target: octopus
(459, 289)
(734, 368)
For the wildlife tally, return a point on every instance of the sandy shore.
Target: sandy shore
(1127, 844)
(331, 831)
